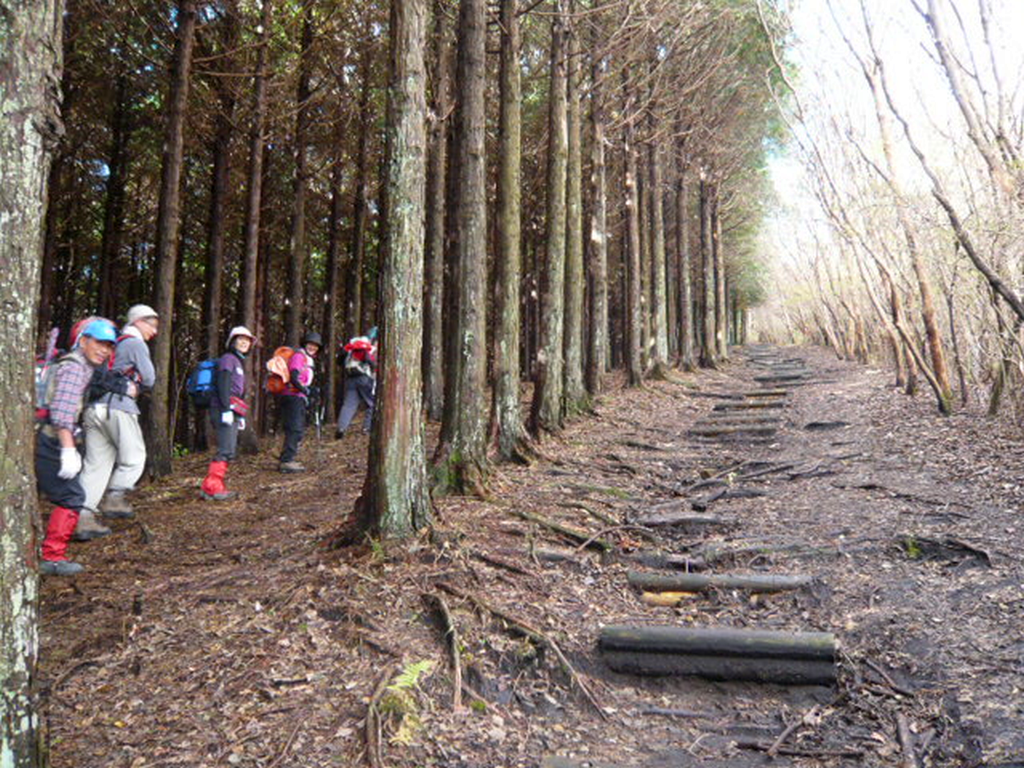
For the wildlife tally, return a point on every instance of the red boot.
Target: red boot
(214, 488)
(55, 546)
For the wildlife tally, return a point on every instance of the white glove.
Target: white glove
(241, 423)
(70, 463)
(228, 417)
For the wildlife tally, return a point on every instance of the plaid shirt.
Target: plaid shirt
(73, 378)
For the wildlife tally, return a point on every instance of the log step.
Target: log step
(748, 405)
(738, 429)
(693, 582)
(732, 419)
(794, 658)
(776, 378)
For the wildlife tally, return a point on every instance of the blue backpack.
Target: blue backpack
(201, 382)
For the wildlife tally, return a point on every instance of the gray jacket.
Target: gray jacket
(132, 354)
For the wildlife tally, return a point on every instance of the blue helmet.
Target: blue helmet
(101, 330)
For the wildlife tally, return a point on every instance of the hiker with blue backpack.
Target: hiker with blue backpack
(115, 451)
(227, 411)
(58, 462)
(295, 377)
(360, 381)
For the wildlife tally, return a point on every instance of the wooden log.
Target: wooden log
(694, 582)
(797, 658)
(747, 405)
(677, 517)
(761, 393)
(735, 429)
(738, 417)
(771, 419)
(775, 378)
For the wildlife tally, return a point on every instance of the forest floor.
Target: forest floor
(233, 635)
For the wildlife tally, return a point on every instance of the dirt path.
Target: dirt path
(235, 637)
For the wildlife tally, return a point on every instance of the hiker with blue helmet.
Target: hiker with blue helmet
(227, 412)
(58, 462)
(360, 381)
(115, 452)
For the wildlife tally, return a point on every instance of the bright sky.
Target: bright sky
(832, 85)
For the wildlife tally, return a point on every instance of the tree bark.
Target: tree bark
(395, 500)
(574, 394)
(297, 244)
(631, 247)
(507, 413)
(939, 373)
(331, 340)
(685, 280)
(437, 157)
(167, 228)
(460, 464)
(354, 275)
(597, 273)
(547, 399)
(219, 181)
(659, 288)
(721, 295)
(707, 308)
(251, 248)
(111, 286)
(30, 125)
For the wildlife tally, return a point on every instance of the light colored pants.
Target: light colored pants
(115, 453)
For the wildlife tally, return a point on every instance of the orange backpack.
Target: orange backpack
(277, 365)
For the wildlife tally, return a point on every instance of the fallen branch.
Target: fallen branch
(501, 563)
(374, 727)
(683, 713)
(888, 679)
(451, 634)
(766, 471)
(808, 717)
(852, 754)
(565, 530)
(602, 516)
(288, 744)
(534, 634)
(639, 528)
(906, 741)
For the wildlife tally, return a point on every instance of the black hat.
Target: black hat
(312, 337)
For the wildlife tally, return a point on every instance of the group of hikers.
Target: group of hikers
(88, 397)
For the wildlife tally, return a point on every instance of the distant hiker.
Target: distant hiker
(294, 398)
(58, 462)
(227, 412)
(360, 380)
(115, 453)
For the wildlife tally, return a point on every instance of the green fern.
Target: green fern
(410, 676)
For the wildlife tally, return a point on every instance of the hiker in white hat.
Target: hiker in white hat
(115, 453)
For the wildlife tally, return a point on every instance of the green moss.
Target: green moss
(911, 547)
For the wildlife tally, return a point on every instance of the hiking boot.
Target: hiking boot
(338, 435)
(291, 466)
(60, 568)
(222, 496)
(116, 507)
(89, 528)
